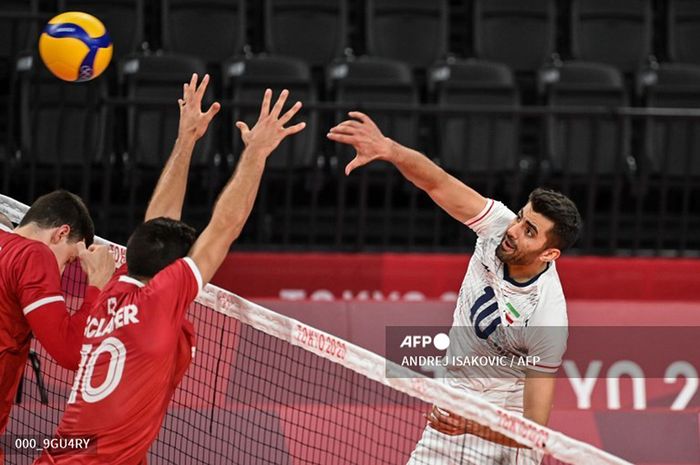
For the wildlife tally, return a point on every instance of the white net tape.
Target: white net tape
(377, 368)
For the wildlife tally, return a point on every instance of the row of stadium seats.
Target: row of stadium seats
(521, 34)
(123, 138)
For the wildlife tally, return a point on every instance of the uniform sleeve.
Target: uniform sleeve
(175, 288)
(492, 220)
(548, 343)
(59, 332)
(38, 281)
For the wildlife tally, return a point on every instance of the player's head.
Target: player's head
(157, 243)
(545, 227)
(63, 221)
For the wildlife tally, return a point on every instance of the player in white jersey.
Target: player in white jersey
(511, 306)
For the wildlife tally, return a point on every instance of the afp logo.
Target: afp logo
(440, 341)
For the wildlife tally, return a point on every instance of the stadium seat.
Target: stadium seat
(684, 31)
(574, 141)
(673, 86)
(153, 84)
(412, 31)
(18, 30)
(358, 85)
(478, 146)
(62, 130)
(618, 32)
(213, 31)
(124, 20)
(588, 156)
(295, 160)
(520, 33)
(245, 81)
(371, 80)
(312, 30)
(671, 167)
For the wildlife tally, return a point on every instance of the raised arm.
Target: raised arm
(169, 194)
(458, 200)
(236, 200)
(59, 331)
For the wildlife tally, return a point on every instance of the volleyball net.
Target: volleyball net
(264, 388)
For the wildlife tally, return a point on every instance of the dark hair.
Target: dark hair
(58, 208)
(157, 243)
(562, 212)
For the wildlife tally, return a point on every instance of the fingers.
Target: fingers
(342, 138)
(242, 127)
(265, 106)
(277, 109)
(284, 119)
(358, 115)
(202, 87)
(343, 129)
(98, 263)
(213, 110)
(193, 84)
(294, 129)
(189, 88)
(444, 422)
(81, 248)
(354, 163)
(448, 420)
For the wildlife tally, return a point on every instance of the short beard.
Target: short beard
(512, 259)
(508, 259)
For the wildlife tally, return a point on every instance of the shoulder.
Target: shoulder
(492, 220)
(26, 249)
(181, 272)
(551, 309)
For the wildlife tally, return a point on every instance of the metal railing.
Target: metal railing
(647, 201)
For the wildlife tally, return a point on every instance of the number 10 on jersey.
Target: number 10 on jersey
(88, 358)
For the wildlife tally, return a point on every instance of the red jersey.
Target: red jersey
(31, 301)
(136, 349)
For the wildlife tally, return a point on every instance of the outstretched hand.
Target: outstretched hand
(365, 137)
(192, 120)
(269, 130)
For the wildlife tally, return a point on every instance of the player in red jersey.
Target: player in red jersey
(137, 343)
(32, 257)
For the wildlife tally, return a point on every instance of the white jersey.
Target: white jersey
(509, 326)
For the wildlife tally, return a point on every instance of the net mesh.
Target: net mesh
(267, 389)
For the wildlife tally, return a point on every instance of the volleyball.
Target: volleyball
(75, 46)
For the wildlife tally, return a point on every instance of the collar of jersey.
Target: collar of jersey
(130, 280)
(526, 283)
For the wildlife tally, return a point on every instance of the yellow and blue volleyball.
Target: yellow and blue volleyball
(75, 46)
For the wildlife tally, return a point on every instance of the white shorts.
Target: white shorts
(436, 448)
